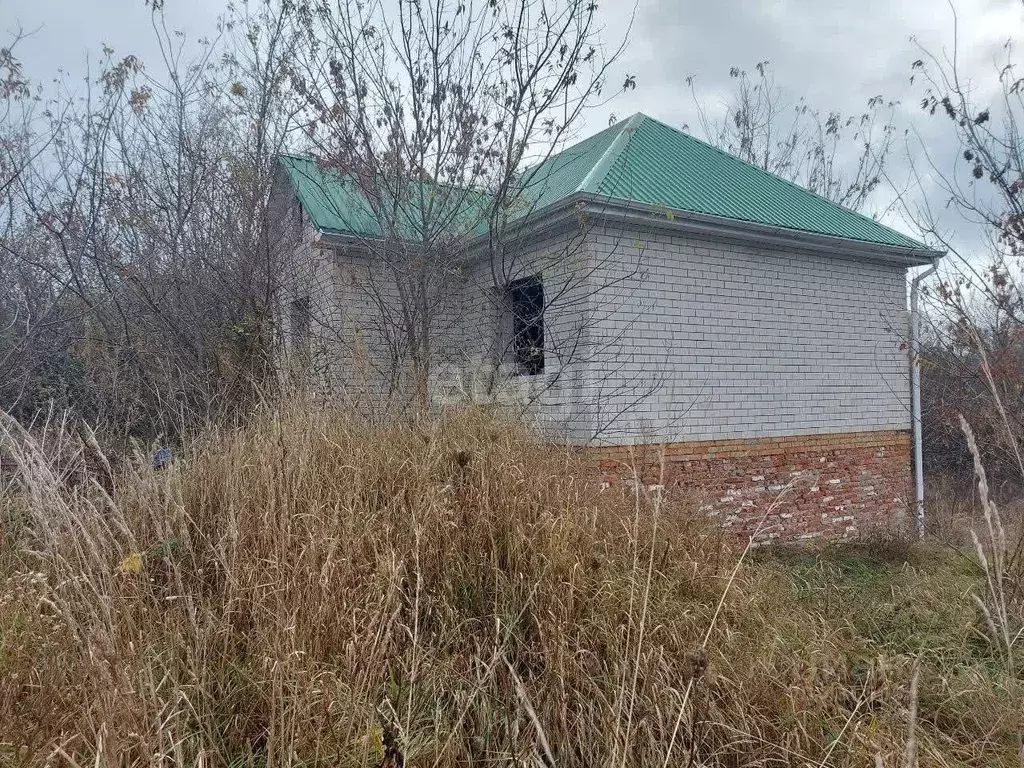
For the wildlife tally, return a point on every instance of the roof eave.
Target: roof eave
(678, 220)
(690, 222)
(534, 224)
(332, 238)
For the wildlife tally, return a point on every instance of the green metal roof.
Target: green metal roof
(639, 160)
(642, 160)
(569, 171)
(332, 203)
(336, 205)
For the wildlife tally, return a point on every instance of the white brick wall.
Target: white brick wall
(360, 354)
(734, 341)
(650, 337)
(553, 399)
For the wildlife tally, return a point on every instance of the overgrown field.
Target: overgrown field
(311, 591)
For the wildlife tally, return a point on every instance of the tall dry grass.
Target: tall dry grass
(313, 591)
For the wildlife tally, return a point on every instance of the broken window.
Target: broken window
(524, 302)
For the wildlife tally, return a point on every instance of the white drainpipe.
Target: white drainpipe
(915, 393)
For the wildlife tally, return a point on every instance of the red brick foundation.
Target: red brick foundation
(822, 486)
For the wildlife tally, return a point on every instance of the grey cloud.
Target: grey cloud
(65, 34)
(836, 54)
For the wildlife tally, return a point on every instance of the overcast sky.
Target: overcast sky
(836, 54)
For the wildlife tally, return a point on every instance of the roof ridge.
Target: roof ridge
(611, 153)
(793, 184)
(535, 166)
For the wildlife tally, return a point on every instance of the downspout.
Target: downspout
(915, 394)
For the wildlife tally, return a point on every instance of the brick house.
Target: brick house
(660, 293)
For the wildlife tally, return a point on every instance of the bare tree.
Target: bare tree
(431, 114)
(976, 376)
(840, 157)
(45, 151)
(974, 210)
(138, 231)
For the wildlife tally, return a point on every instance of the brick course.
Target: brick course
(841, 485)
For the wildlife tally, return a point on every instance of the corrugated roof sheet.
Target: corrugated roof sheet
(639, 160)
(332, 203)
(660, 165)
(564, 174)
(337, 205)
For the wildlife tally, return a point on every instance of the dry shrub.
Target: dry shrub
(952, 508)
(315, 591)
